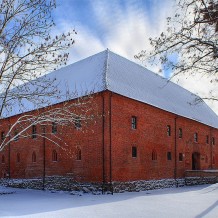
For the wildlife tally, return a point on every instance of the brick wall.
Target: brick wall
(109, 137)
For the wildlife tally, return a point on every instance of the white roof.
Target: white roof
(109, 71)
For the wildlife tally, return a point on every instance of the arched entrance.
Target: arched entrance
(196, 161)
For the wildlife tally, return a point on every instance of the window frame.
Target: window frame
(213, 141)
(34, 132)
(134, 152)
(169, 155)
(54, 128)
(2, 135)
(134, 122)
(196, 137)
(180, 157)
(180, 133)
(207, 139)
(78, 123)
(168, 130)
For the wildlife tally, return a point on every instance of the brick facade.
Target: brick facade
(111, 150)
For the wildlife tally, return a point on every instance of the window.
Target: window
(180, 156)
(78, 154)
(34, 131)
(196, 137)
(207, 139)
(18, 158)
(54, 156)
(168, 130)
(2, 136)
(169, 156)
(77, 123)
(180, 133)
(134, 122)
(154, 155)
(213, 141)
(54, 128)
(16, 136)
(134, 151)
(3, 158)
(34, 157)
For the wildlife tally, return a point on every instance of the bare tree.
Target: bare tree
(27, 52)
(64, 114)
(192, 36)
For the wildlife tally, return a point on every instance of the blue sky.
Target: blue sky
(123, 26)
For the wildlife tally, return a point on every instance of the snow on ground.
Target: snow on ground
(196, 201)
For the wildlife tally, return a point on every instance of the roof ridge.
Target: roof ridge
(106, 68)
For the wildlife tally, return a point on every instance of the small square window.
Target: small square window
(134, 151)
(180, 156)
(168, 130)
(169, 155)
(134, 122)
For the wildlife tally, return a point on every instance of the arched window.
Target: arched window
(18, 157)
(78, 154)
(154, 155)
(34, 157)
(54, 156)
(3, 158)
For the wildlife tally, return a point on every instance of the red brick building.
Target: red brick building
(144, 130)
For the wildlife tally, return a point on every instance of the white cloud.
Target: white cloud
(200, 85)
(126, 31)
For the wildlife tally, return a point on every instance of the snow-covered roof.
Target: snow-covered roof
(109, 71)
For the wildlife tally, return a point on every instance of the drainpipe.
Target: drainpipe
(43, 178)
(103, 159)
(111, 186)
(175, 139)
(9, 154)
(211, 149)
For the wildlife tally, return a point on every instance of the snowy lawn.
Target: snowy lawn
(196, 201)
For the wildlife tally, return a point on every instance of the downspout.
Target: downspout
(43, 178)
(9, 153)
(110, 146)
(175, 135)
(103, 159)
(211, 149)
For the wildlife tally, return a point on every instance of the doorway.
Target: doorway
(196, 161)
